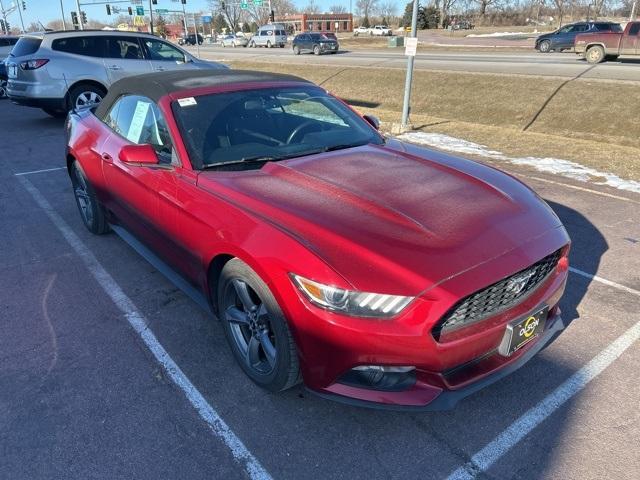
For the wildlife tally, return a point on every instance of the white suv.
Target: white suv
(60, 71)
(381, 30)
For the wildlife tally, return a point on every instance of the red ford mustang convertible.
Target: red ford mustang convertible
(377, 272)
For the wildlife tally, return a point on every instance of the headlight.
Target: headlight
(357, 304)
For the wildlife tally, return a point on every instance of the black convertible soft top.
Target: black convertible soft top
(157, 85)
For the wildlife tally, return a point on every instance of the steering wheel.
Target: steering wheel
(299, 128)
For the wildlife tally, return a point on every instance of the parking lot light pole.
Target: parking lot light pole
(409, 78)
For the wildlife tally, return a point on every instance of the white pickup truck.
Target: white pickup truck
(381, 30)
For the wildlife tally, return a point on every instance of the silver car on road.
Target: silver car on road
(60, 71)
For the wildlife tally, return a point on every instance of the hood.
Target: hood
(386, 218)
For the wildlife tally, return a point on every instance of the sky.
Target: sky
(47, 10)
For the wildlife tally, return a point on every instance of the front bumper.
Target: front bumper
(425, 397)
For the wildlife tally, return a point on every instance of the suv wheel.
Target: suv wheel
(252, 44)
(296, 49)
(595, 54)
(3, 88)
(545, 46)
(316, 50)
(85, 96)
(268, 43)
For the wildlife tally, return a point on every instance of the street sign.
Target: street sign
(206, 19)
(411, 46)
(162, 11)
(140, 11)
(257, 3)
(244, 5)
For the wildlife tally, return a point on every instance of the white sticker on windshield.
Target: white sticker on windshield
(187, 102)
(137, 121)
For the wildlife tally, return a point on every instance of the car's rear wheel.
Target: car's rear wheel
(91, 211)
(316, 50)
(85, 96)
(545, 46)
(595, 54)
(296, 50)
(256, 329)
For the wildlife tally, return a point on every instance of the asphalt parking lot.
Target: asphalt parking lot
(82, 395)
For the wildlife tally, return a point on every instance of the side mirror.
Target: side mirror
(373, 121)
(138, 155)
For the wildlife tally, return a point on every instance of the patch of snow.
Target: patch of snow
(496, 34)
(556, 166)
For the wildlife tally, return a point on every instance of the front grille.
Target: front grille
(497, 297)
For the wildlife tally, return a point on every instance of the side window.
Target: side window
(123, 48)
(581, 28)
(263, 33)
(140, 121)
(635, 28)
(163, 51)
(86, 45)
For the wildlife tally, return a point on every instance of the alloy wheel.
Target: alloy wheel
(3, 88)
(81, 193)
(250, 326)
(87, 100)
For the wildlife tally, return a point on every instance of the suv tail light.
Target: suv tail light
(33, 64)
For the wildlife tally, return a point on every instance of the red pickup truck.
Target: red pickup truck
(598, 47)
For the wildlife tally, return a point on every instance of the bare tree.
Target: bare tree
(365, 8)
(560, 7)
(311, 7)
(338, 9)
(230, 10)
(483, 5)
(387, 9)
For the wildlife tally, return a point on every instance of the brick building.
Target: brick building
(318, 22)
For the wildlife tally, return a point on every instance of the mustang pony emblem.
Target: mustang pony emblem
(516, 284)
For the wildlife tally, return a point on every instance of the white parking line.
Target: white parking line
(605, 281)
(482, 460)
(139, 323)
(39, 171)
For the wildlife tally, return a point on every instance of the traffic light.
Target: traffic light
(222, 5)
(108, 9)
(74, 18)
(24, 5)
(2, 29)
(272, 16)
(184, 2)
(130, 11)
(155, 2)
(83, 14)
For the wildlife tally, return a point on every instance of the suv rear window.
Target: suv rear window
(608, 27)
(87, 46)
(26, 46)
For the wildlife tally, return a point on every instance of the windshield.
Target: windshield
(267, 125)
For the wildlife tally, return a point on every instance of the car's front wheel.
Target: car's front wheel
(3, 88)
(91, 211)
(316, 50)
(256, 328)
(545, 46)
(296, 49)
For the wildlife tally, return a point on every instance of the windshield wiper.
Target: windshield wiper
(256, 159)
(344, 146)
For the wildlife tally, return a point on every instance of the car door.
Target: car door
(631, 41)
(562, 37)
(164, 56)
(124, 56)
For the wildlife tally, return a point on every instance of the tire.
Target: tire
(296, 50)
(268, 43)
(233, 44)
(85, 96)
(595, 55)
(252, 44)
(55, 113)
(544, 46)
(316, 50)
(3, 89)
(282, 45)
(260, 341)
(91, 211)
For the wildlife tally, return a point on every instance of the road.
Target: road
(81, 395)
(555, 64)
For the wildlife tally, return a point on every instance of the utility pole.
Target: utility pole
(409, 79)
(4, 15)
(184, 20)
(79, 15)
(20, 13)
(151, 16)
(64, 23)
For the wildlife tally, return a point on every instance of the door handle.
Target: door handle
(115, 67)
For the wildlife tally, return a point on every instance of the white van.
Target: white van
(269, 36)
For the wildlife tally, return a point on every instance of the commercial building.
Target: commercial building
(317, 22)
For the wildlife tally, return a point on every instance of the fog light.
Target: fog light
(378, 377)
